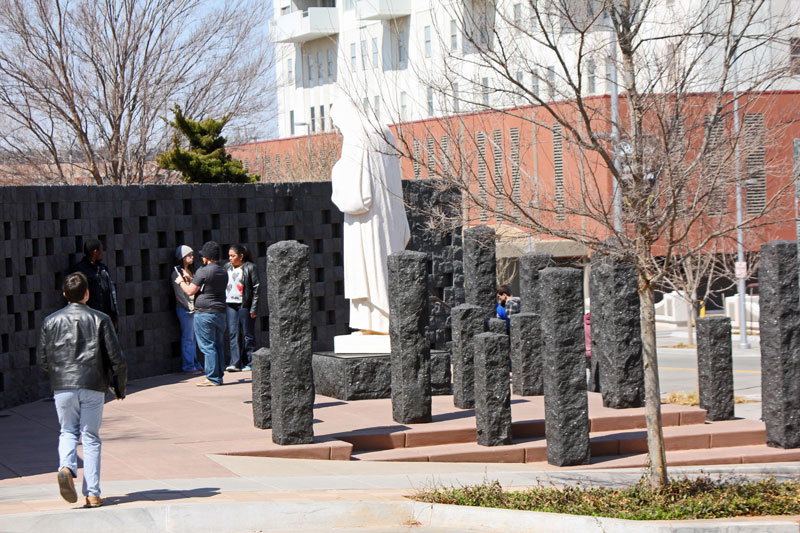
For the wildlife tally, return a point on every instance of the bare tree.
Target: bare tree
(649, 176)
(85, 85)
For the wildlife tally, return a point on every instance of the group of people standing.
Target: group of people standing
(212, 300)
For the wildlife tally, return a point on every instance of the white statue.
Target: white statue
(367, 189)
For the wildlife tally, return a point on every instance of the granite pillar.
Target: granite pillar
(715, 367)
(616, 332)
(495, 325)
(529, 266)
(480, 274)
(291, 372)
(262, 389)
(779, 323)
(526, 354)
(466, 321)
(492, 391)
(564, 367)
(408, 316)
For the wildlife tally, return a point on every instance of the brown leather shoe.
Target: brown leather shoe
(66, 486)
(93, 501)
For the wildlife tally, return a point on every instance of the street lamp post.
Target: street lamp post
(740, 281)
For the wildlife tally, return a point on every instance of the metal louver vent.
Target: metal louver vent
(515, 185)
(558, 167)
(481, 141)
(497, 151)
(755, 163)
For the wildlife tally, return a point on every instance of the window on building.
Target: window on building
(591, 77)
(290, 71)
(453, 35)
(428, 44)
(319, 65)
(364, 54)
(365, 105)
(558, 170)
(517, 14)
(353, 59)
(349, 4)
(480, 140)
(401, 46)
(310, 67)
(322, 118)
(313, 120)
(456, 98)
(755, 163)
(485, 91)
(535, 83)
(330, 63)
(375, 63)
(551, 83)
(794, 54)
(403, 106)
(377, 108)
(520, 77)
(430, 101)
(291, 122)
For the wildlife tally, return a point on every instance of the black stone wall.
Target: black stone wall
(43, 230)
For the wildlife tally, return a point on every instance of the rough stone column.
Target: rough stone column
(480, 268)
(262, 390)
(292, 378)
(780, 343)
(529, 266)
(715, 367)
(616, 332)
(411, 357)
(492, 391)
(526, 354)
(466, 321)
(495, 325)
(566, 407)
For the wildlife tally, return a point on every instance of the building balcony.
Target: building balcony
(383, 9)
(302, 26)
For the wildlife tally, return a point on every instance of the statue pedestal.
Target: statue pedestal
(368, 376)
(361, 344)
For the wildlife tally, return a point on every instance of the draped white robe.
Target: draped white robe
(367, 189)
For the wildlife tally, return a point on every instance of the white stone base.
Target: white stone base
(358, 343)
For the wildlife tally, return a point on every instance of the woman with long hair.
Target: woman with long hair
(184, 307)
(241, 297)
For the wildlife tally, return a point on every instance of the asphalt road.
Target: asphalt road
(677, 370)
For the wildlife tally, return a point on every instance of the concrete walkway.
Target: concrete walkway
(166, 468)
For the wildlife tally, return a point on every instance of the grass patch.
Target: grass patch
(692, 399)
(680, 500)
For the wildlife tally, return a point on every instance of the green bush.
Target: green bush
(680, 499)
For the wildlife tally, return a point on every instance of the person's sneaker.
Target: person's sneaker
(66, 486)
(93, 501)
(246, 368)
(208, 383)
(232, 369)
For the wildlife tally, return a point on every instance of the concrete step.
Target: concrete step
(712, 435)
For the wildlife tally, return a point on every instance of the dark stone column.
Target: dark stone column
(492, 391)
(529, 266)
(292, 379)
(616, 332)
(408, 316)
(466, 321)
(715, 367)
(480, 275)
(262, 390)
(566, 407)
(526, 354)
(495, 325)
(780, 343)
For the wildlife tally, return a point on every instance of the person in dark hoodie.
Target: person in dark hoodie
(102, 294)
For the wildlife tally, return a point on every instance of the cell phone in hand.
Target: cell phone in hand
(179, 273)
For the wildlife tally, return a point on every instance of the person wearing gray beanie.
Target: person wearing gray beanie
(184, 307)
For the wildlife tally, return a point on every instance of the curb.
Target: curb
(300, 516)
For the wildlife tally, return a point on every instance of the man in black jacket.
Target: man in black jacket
(78, 348)
(102, 295)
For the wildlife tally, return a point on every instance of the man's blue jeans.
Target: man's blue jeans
(188, 343)
(80, 412)
(209, 330)
(241, 334)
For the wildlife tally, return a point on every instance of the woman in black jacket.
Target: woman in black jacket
(241, 297)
